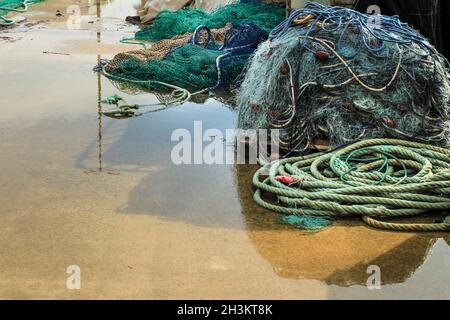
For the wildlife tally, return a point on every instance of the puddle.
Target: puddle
(78, 188)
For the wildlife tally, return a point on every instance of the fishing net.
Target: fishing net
(7, 6)
(149, 9)
(197, 59)
(338, 75)
(168, 24)
(191, 66)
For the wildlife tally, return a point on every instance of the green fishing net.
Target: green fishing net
(329, 75)
(194, 56)
(190, 67)
(168, 24)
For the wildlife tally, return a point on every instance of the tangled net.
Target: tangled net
(7, 6)
(338, 75)
(195, 66)
(168, 24)
(195, 59)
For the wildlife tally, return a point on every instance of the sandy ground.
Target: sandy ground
(81, 189)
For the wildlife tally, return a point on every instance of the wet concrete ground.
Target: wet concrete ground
(82, 189)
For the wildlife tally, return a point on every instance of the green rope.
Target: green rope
(313, 224)
(131, 40)
(7, 6)
(374, 179)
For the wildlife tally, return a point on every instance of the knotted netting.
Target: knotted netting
(334, 74)
(11, 6)
(209, 54)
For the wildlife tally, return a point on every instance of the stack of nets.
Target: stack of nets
(335, 74)
(168, 24)
(7, 6)
(196, 55)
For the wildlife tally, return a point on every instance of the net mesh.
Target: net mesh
(203, 59)
(332, 76)
(168, 24)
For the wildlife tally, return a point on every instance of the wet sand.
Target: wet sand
(82, 189)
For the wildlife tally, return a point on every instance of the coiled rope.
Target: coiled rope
(375, 179)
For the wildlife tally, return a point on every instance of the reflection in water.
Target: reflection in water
(339, 255)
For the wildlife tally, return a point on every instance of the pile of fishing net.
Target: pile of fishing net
(9, 6)
(168, 24)
(191, 62)
(196, 52)
(333, 74)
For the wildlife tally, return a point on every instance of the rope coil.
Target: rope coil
(375, 179)
(7, 6)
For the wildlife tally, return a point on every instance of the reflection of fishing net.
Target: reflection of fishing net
(7, 6)
(333, 75)
(168, 24)
(197, 52)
